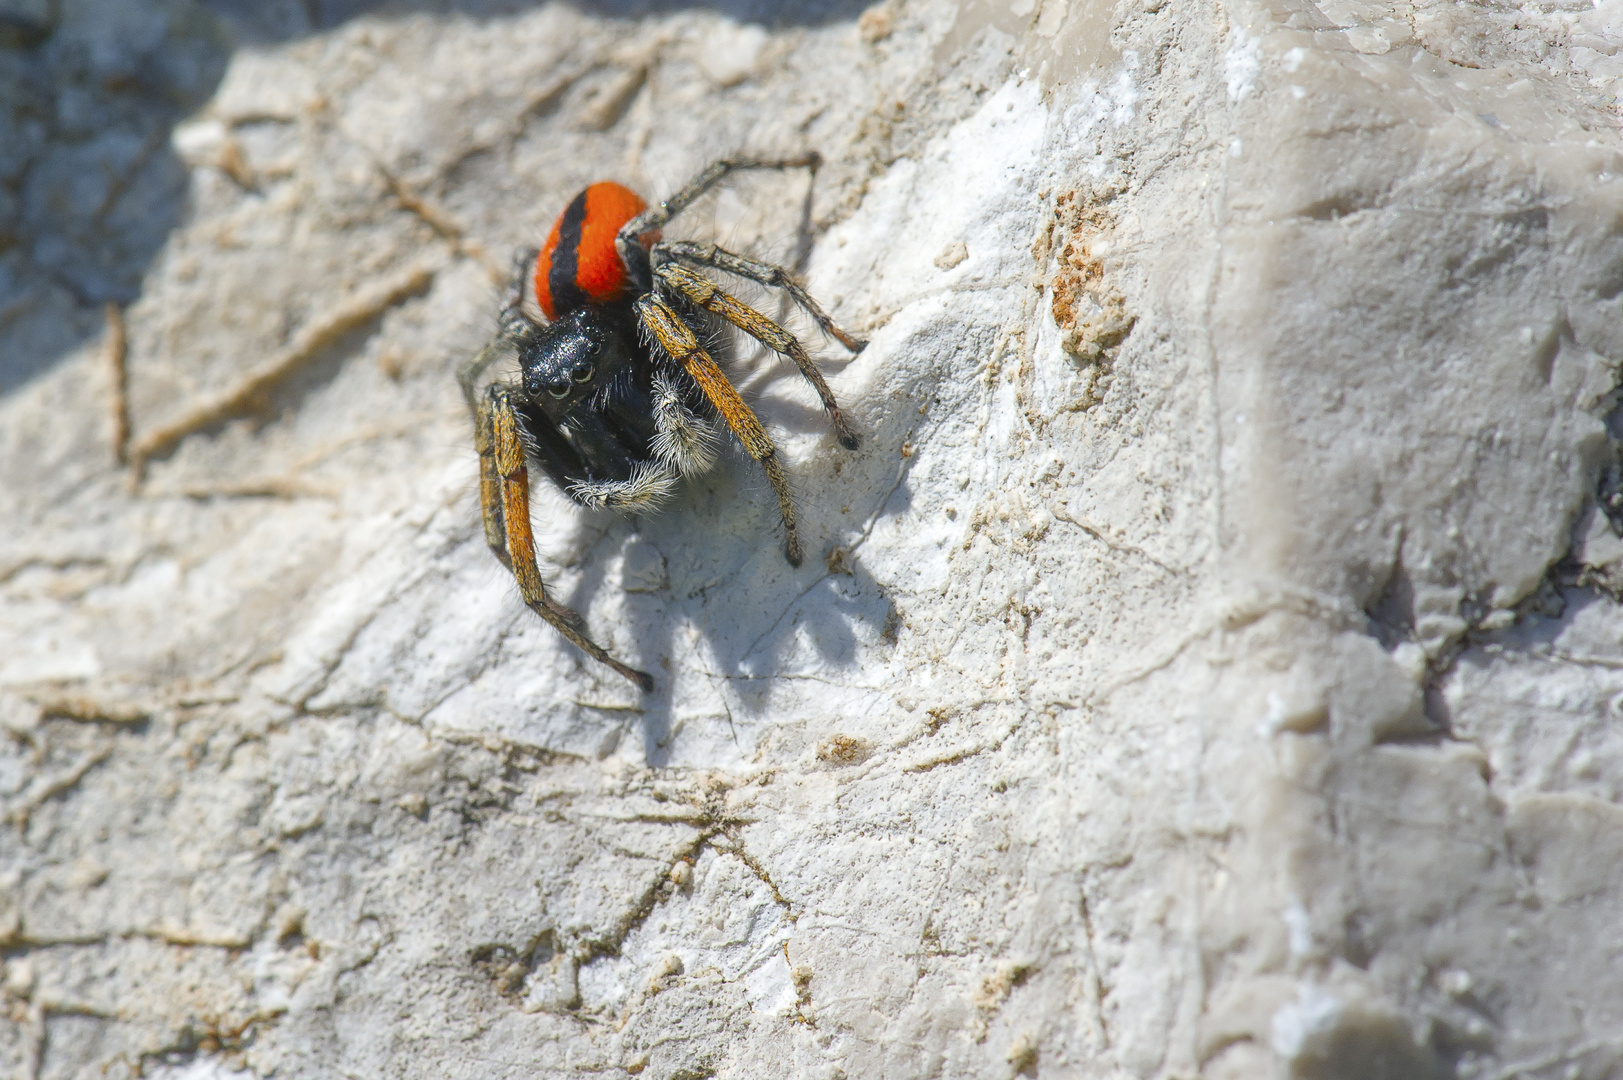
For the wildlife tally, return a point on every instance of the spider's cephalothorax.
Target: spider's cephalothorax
(616, 397)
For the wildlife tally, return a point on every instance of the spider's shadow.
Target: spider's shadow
(761, 620)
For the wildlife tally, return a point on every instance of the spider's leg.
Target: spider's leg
(673, 335)
(513, 327)
(504, 492)
(471, 370)
(513, 308)
(767, 274)
(490, 481)
(706, 294)
(492, 497)
(655, 217)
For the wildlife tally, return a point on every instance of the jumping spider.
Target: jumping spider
(616, 397)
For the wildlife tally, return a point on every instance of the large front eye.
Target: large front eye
(558, 389)
(584, 374)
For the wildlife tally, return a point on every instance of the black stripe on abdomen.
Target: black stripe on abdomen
(566, 293)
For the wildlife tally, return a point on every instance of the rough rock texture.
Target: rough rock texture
(1209, 665)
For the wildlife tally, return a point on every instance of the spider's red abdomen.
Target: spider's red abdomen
(579, 265)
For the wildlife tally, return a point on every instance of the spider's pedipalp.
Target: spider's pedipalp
(650, 485)
(706, 294)
(776, 277)
(681, 438)
(676, 338)
(505, 498)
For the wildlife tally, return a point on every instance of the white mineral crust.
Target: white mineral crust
(1208, 665)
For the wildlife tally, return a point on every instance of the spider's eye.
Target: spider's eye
(584, 374)
(593, 347)
(558, 389)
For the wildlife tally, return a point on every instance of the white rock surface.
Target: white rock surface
(1208, 666)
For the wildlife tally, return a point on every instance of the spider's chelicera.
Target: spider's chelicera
(616, 397)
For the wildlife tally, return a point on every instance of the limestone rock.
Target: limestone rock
(1205, 667)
